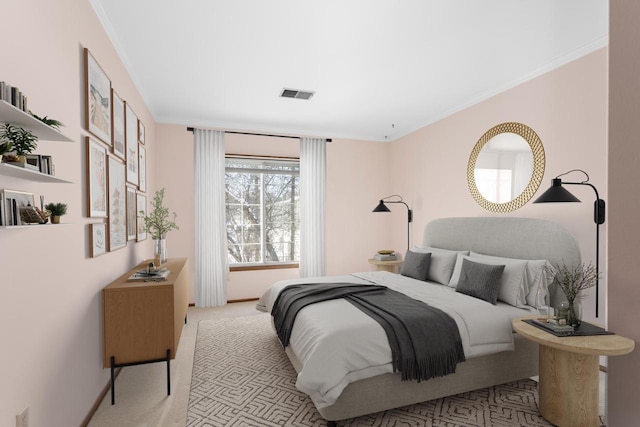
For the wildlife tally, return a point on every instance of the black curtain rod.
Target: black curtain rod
(190, 129)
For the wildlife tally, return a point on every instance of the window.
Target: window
(262, 209)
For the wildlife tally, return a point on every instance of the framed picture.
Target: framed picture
(131, 139)
(117, 204)
(96, 179)
(132, 215)
(97, 99)
(140, 132)
(97, 239)
(117, 129)
(142, 168)
(141, 209)
(13, 203)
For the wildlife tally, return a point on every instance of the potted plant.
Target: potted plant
(573, 280)
(158, 223)
(56, 210)
(5, 147)
(22, 140)
(49, 122)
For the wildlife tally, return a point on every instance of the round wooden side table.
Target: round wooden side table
(568, 372)
(391, 266)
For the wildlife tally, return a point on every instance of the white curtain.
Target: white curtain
(211, 238)
(313, 159)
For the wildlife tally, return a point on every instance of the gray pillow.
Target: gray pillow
(416, 265)
(480, 280)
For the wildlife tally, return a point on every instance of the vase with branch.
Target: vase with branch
(573, 280)
(159, 222)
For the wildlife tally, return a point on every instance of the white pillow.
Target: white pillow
(513, 287)
(442, 263)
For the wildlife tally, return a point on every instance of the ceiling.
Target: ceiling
(380, 69)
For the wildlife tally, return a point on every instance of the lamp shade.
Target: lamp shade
(381, 207)
(556, 194)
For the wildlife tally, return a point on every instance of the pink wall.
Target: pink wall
(356, 172)
(567, 108)
(50, 310)
(624, 205)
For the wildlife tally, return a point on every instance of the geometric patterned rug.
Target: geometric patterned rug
(242, 377)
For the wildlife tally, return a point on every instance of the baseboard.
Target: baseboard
(99, 400)
(192, 304)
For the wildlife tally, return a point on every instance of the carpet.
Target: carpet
(242, 377)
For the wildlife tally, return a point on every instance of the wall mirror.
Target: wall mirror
(506, 167)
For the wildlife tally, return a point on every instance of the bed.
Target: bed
(494, 355)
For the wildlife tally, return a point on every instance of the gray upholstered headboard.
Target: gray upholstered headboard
(523, 238)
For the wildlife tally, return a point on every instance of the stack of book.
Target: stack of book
(150, 275)
(385, 256)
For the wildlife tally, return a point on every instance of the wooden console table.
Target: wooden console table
(569, 378)
(142, 321)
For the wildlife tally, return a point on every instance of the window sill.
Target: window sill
(264, 267)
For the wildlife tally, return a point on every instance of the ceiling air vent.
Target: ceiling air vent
(294, 93)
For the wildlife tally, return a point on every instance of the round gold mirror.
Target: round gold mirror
(506, 167)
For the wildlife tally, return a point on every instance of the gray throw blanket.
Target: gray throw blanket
(425, 342)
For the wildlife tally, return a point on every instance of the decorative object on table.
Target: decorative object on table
(56, 124)
(150, 274)
(117, 204)
(382, 207)
(23, 142)
(96, 179)
(131, 144)
(118, 125)
(573, 280)
(158, 223)
(557, 194)
(97, 99)
(98, 239)
(57, 210)
(132, 216)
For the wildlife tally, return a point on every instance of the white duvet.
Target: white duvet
(338, 344)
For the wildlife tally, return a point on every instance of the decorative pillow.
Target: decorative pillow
(442, 263)
(480, 280)
(513, 287)
(416, 265)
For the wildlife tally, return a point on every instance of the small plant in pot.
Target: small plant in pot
(56, 210)
(22, 140)
(5, 147)
(157, 223)
(49, 122)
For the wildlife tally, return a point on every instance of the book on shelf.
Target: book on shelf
(150, 275)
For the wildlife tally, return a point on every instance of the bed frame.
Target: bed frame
(523, 238)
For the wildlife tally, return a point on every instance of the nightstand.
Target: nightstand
(391, 266)
(568, 371)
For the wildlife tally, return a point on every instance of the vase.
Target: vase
(55, 219)
(574, 314)
(160, 250)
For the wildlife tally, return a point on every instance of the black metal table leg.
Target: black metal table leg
(113, 380)
(168, 372)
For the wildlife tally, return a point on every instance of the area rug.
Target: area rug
(242, 377)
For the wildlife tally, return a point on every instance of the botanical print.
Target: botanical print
(132, 215)
(98, 99)
(97, 170)
(131, 124)
(117, 205)
(142, 168)
(142, 212)
(98, 239)
(118, 126)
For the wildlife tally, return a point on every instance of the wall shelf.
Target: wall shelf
(15, 116)
(48, 225)
(28, 174)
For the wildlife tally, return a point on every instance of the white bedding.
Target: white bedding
(338, 344)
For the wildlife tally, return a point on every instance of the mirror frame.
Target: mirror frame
(537, 174)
